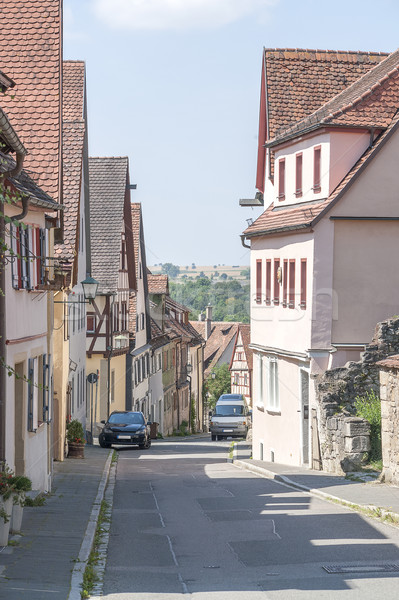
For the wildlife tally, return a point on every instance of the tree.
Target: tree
(218, 386)
(171, 270)
(245, 273)
(223, 276)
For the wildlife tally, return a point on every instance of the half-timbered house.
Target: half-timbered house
(113, 266)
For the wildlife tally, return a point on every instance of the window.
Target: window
(239, 355)
(259, 395)
(303, 283)
(268, 281)
(245, 379)
(273, 400)
(285, 282)
(292, 284)
(28, 245)
(116, 316)
(281, 179)
(124, 316)
(276, 287)
(258, 281)
(123, 253)
(91, 323)
(236, 379)
(317, 170)
(298, 175)
(142, 321)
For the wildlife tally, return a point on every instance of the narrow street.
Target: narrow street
(186, 522)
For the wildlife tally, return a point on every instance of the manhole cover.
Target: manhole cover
(361, 568)
(212, 567)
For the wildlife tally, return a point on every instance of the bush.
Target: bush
(75, 432)
(369, 407)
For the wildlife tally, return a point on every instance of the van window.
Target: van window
(229, 410)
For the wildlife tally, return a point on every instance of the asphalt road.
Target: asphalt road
(187, 523)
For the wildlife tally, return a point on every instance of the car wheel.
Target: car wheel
(103, 443)
(213, 437)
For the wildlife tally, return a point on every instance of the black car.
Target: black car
(125, 427)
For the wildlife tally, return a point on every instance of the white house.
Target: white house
(323, 253)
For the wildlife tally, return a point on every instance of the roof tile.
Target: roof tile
(30, 50)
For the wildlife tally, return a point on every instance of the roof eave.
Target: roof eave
(278, 230)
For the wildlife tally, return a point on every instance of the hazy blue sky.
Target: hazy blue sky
(174, 84)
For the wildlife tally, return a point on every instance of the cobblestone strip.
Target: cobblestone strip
(85, 549)
(105, 529)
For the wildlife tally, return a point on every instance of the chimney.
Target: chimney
(208, 322)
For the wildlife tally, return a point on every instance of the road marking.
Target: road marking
(274, 529)
(184, 586)
(157, 505)
(228, 491)
(172, 551)
(35, 590)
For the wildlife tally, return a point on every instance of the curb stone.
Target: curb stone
(85, 549)
(367, 508)
(103, 547)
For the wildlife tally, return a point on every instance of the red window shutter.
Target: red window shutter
(317, 170)
(268, 281)
(298, 175)
(292, 284)
(258, 281)
(276, 298)
(303, 283)
(281, 179)
(285, 282)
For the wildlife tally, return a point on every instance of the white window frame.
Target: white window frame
(273, 392)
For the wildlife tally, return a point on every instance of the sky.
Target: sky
(174, 85)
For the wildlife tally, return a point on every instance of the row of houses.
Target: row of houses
(70, 224)
(323, 251)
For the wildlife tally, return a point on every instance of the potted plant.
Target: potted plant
(6, 491)
(76, 439)
(21, 485)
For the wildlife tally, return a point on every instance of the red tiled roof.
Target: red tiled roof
(300, 81)
(73, 139)
(158, 284)
(305, 215)
(73, 90)
(30, 50)
(222, 334)
(372, 100)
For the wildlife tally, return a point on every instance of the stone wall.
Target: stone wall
(345, 439)
(389, 394)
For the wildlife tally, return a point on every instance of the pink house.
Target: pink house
(323, 253)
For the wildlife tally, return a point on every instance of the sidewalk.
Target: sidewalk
(56, 534)
(376, 499)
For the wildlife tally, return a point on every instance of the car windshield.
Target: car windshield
(127, 418)
(227, 410)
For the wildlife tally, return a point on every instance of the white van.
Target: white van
(230, 417)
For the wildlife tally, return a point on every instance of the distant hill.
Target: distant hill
(214, 272)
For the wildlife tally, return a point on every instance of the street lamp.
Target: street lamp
(90, 287)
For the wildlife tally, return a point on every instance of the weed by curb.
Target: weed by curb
(90, 576)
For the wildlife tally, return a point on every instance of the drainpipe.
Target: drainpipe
(243, 241)
(3, 376)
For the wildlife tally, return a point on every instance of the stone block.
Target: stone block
(356, 426)
(332, 423)
(359, 443)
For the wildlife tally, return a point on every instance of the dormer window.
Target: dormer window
(317, 170)
(298, 175)
(281, 179)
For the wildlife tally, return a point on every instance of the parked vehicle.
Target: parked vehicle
(127, 428)
(230, 417)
